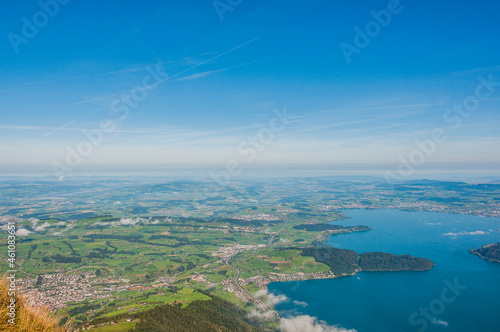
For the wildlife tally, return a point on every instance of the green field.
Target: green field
(120, 327)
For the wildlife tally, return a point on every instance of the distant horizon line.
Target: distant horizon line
(455, 172)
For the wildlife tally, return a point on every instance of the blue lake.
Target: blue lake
(460, 293)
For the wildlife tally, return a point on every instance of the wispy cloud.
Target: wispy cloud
(35, 83)
(76, 120)
(201, 75)
(212, 72)
(90, 100)
(206, 61)
(155, 84)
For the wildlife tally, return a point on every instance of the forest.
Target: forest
(344, 261)
(215, 315)
(490, 252)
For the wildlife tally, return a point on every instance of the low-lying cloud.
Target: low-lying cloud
(41, 228)
(272, 298)
(440, 322)
(466, 233)
(23, 232)
(300, 303)
(127, 222)
(255, 313)
(306, 323)
(34, 222)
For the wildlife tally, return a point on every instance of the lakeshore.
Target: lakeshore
(395, 297)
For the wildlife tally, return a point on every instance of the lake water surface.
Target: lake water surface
(460, 293)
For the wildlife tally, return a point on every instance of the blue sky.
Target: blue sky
(225, 77)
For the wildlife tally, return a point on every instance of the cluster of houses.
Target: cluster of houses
(55, 290)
